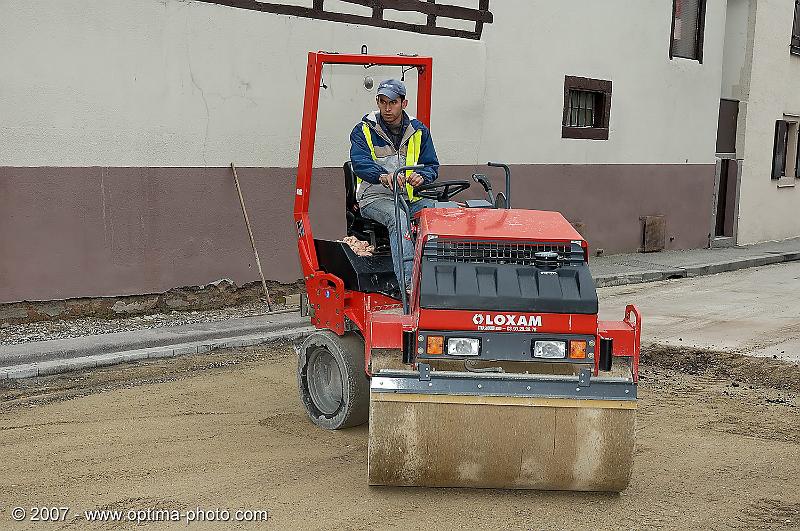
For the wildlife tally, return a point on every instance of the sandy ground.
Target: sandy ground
(718, 447)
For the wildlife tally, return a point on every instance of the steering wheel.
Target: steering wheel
(441, 191)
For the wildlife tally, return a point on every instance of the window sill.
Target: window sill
(695, 59)
(585, 133)
(786, 182)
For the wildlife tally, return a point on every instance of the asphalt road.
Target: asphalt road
(751, 311)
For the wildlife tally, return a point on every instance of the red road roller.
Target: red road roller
(494, 371)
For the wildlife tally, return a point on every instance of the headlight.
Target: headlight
(549, 349)
(462, 346)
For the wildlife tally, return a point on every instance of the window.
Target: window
(587, 106)
(795, 46)
(726, 126)
(582, 108)
(688, 21)
(786, 151)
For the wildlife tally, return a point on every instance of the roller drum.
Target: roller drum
(500, 442)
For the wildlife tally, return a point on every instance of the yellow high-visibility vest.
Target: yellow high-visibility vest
(412, 155)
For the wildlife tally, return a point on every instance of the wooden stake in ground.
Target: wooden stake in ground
(250, 233)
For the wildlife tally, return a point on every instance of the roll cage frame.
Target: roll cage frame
(308, 130)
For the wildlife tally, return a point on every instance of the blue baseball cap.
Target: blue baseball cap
(392, 89)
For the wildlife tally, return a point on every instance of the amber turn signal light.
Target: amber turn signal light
(435, 345)
(577, 349)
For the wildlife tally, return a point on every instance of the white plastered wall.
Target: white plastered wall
(174, 83)
(736, 59)
(767, 212)
(663, 111)
(181, 83)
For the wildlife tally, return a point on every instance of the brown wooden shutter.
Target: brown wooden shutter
(779, 150)
(797, 163)
(796, 29)
(688, 29)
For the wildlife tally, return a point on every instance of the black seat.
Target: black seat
(358, 226)
(368, 274)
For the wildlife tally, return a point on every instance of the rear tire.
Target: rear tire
(333, 384)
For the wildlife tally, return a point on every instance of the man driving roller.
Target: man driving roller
(383, 141)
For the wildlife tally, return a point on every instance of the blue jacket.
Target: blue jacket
(389, 158)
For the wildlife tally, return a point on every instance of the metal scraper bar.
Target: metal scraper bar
(427, 382)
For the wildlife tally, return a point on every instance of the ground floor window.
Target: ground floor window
(587, 108)
(786, 150)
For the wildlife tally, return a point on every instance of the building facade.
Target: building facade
(120, 118)
(758, 133)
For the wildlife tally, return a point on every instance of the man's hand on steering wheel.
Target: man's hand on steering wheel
(415, 179)
(386, 180)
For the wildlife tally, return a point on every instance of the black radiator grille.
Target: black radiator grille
(483, 252)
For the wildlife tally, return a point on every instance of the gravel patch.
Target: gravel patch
(87, 326)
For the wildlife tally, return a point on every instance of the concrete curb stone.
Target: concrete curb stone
(161, 352)
(108, 359)
(639, 277)
(13, 373)
(790, 256)
(238, 343)
(134, 355)
(181, 351)
(732, 265)
(46, 368)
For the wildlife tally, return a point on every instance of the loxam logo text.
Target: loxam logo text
(507, 319)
